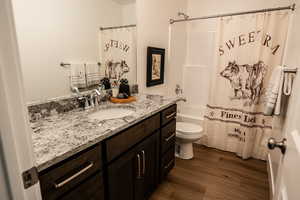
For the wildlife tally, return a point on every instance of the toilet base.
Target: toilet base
(184, 150)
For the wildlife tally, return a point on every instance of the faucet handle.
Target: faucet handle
(178, 89)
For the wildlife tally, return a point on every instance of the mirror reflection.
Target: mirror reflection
(74, 46)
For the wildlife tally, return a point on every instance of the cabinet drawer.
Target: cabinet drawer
(167, 162)
(61, 178)
(91, 189)
(128, 138)
(153, 123)
(168, 136)
(168, 114)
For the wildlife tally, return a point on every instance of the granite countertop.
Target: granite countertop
(60, 136)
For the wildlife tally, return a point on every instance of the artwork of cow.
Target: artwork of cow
(246, 80)
(116, 70)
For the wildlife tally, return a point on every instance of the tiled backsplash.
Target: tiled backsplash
(42, 110)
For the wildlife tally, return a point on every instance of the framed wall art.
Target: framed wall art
(155, 66)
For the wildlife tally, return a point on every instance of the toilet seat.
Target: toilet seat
(188, 128)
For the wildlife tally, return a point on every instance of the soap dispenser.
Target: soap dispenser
(124, 87)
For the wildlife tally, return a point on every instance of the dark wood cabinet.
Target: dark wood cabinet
(168, 114)
(168, 136)
(123, 141)
(67, 175)
(167, 162)
(126, 166)
(121, 176)
(167, 140)
(147, 178)
(91, 189)
(134, 175)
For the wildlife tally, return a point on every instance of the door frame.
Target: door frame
(15, 132)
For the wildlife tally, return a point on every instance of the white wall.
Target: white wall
(208, 7)
(129, 13)
(153, 30)
(52, 31)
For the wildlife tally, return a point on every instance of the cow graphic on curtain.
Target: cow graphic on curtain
(246, 80)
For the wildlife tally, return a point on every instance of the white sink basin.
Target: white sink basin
(111, 113)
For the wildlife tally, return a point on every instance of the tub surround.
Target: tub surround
(61, 129)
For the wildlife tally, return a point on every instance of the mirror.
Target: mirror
(76, 33)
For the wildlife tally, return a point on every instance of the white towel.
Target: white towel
(274, 92)
(77, 76)
(93, 74)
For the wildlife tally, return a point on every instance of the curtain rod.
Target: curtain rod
(291, 7)
(117, 27)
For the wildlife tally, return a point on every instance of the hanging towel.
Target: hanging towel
(93, 74)
(274, 92)
(77, 76)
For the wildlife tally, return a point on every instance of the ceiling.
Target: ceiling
(124, 2)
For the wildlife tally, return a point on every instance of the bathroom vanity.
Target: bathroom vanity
(126, 161)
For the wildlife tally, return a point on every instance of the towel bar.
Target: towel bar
(290, 70)
(62, 64)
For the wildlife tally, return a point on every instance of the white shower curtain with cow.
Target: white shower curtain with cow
(249, 48)
(118, 53)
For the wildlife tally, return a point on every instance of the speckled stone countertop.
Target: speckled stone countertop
(60, 136)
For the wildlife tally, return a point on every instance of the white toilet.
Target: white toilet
(186, 134)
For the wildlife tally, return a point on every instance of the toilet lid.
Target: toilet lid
(188, 128)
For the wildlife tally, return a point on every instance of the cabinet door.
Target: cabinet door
(134, 175)
(121, 177)
(146, 184)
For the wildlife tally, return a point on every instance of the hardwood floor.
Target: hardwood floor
(215, 175)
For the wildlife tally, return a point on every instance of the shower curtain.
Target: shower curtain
(118, 53)
(249, 48)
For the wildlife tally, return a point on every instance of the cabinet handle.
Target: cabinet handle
(171, 115)
(139, 166)
(170, 137)
(169, 164)
(144, 162)
(67, 180)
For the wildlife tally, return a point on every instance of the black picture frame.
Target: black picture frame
(156, 55)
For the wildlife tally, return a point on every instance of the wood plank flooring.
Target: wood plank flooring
(215, 175)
